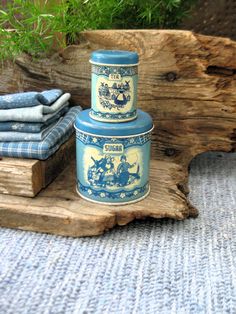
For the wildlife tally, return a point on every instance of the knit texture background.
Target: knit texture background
(153, 266)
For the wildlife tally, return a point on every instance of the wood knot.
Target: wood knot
(171, 76)
(170, 152)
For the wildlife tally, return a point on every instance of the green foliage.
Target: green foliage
(135, 13)
(30, 26)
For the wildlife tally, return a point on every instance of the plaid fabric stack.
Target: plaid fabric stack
(35, 125)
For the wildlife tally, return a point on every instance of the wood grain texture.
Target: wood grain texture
(186, 82)
(20, 176)
(26, 177)
(59, 210)
(183, 77)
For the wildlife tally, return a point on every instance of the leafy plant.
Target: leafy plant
(32, 26)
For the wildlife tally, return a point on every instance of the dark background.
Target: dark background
(213, 17)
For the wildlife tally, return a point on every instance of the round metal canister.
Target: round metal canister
(113, 159)
(114, 85)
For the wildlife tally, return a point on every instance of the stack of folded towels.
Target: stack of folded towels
(35, 125)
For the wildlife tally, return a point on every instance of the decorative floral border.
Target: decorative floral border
(113, 195)
(115, 116)
(100, 141)
(107, 70)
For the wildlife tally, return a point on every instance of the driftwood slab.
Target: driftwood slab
(26, 177)
(187, 82)
(59, 210)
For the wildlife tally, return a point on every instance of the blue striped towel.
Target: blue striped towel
(44, 149)
(29, 99)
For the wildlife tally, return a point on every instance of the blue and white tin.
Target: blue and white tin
(113, 159)
(114, 85)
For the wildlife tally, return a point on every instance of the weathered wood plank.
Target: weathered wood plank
(20, 176)
(59, 210)
(26, 177)
(181, 75)
(186, 82)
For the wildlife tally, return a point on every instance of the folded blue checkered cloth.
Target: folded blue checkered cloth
(44, 149)
(29, 99)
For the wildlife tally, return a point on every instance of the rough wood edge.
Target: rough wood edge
(59, 210)
(37, 174)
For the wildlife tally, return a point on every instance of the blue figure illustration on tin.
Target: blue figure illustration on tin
(115, 96)
(103, 173)
(124, 177)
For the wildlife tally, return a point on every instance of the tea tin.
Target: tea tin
(113, 159)
(114, 85)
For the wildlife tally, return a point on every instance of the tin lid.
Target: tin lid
(117, 57)
(143, 123)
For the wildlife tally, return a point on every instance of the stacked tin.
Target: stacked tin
(113, 138)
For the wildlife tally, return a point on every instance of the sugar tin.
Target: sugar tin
(114, 85)
(113, 159)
